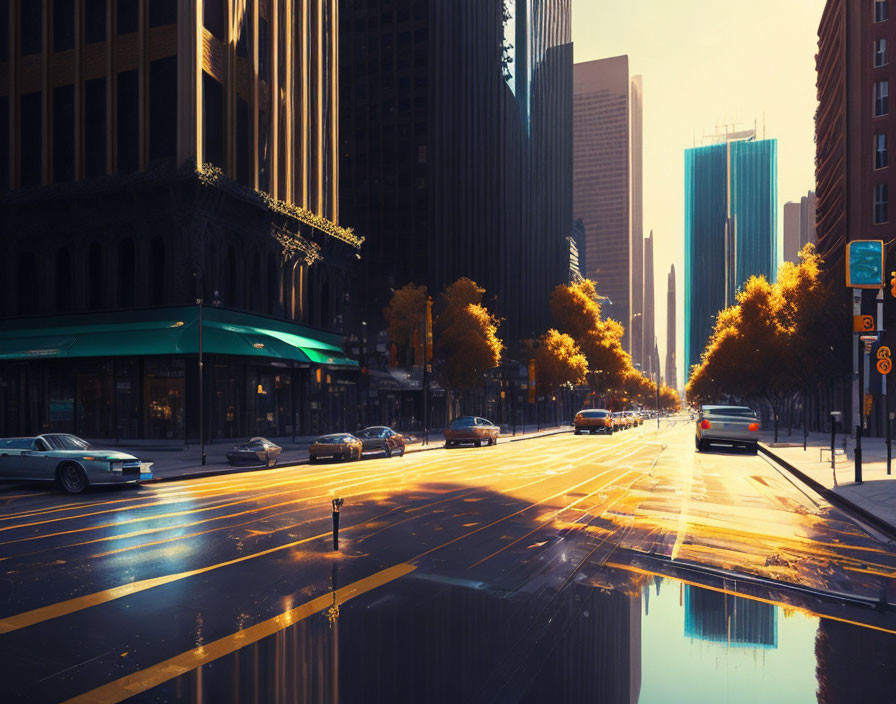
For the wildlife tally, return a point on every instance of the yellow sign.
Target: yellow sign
(884, 365)
(883, 352)
(869, 401)
(863, 323)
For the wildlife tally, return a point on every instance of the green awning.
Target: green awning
(169, 331)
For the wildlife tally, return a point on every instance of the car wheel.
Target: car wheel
(578, 432)
(754, 449)
(479, 443)
(403, 450)
(272, 461)
(72, 478)
(312, 460)
(495, 441)
(388, 451)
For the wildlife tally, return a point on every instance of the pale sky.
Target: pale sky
(706, 63)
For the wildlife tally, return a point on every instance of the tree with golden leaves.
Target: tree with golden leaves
(558, 361)
(404, 317)
(466, 336)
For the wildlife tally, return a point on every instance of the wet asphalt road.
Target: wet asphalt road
(511, 573)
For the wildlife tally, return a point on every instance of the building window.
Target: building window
(162, 12)
(63, 25)
(128, 124)
(63, 134)
(157, 270)
(64, 287)
(214, 18)
(881, 10)
(880, 151)
(27, 271)
(128, 16)
(881, 203)
(95, 127)
(95, 21)
(31, 140)
(95, 276)
(162, 119)
(880, 53)
(127, 270)
(32, 27)
(881, 98)
(213, 114)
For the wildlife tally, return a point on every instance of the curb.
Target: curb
(833, 498)
(237, 470)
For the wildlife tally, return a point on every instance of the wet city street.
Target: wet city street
(566, 568)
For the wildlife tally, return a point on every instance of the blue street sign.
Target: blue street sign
(865, 264)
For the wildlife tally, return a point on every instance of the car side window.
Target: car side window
(40, 445)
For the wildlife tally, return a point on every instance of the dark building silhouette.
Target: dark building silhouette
(456, 149)
(153, 153)
(854, 664)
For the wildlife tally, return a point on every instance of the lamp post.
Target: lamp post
(201, 385)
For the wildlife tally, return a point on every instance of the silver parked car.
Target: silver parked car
(736, 426)
(68, 460)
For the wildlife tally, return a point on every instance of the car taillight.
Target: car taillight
(705, 424)
(753, 427)
(608, 422)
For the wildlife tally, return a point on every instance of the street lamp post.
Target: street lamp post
(201, 385)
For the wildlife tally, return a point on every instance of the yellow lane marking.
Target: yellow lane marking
(63, 608)
(155, 675)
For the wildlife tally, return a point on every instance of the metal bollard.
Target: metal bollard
(337, 504)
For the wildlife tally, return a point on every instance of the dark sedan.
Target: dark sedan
(381, 438)
(256, 451)
(472, 430)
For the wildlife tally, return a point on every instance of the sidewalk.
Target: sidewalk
(184, 461)
(877, 493)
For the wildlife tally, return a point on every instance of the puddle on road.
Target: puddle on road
(433, 638)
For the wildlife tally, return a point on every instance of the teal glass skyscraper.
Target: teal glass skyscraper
(730, 228)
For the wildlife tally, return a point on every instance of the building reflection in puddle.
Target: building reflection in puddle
(431, 638)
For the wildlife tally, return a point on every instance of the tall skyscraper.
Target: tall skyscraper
(456, 135)
(607, 183)
(730, 228)
(808, 231)
(671, 334)
(640, 340)
(169, 151)
(650, 363)
(792, 231)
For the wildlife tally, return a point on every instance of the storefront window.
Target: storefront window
(227, 415)
(61, 401)
(164, 394)
(94, 400)
(127, 398)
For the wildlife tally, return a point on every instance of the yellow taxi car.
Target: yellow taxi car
(594, 420)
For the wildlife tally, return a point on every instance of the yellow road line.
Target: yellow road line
(63, 608)
(155, 675)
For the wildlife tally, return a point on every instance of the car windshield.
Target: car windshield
(66, 442)
(372, 433)
(466, 422)
(17, 443)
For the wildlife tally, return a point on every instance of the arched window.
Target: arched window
(230, 294)
(95, 276)
(273, 285)
(27, 273)
(64, 287)
(157, 273)
(127, 268)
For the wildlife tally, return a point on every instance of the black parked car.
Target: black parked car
(382, 438)
(256, 451)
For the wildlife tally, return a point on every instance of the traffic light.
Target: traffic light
(893, 284)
